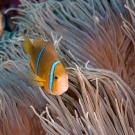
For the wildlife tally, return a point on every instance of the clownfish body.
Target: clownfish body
(49, 73)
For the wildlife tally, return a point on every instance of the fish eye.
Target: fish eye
(56, 77)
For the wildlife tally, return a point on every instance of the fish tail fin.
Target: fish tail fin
(27, 45)
(35, 79)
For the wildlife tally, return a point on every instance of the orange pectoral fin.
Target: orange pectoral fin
(35, 79)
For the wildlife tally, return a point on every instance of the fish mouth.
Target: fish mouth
(61, 86)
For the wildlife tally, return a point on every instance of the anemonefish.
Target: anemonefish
(48, 71)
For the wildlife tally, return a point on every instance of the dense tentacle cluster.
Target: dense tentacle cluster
(91, 30)
(97, 49)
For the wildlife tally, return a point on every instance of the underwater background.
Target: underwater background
(95, 42)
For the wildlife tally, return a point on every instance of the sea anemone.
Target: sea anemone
(95, 42)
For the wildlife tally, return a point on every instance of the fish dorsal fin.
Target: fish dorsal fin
(32, 65)
(38, 41)
(27, 45)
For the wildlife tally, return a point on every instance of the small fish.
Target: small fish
(48, 71)
(2, 21)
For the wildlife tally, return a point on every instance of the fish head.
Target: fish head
(60, 80)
